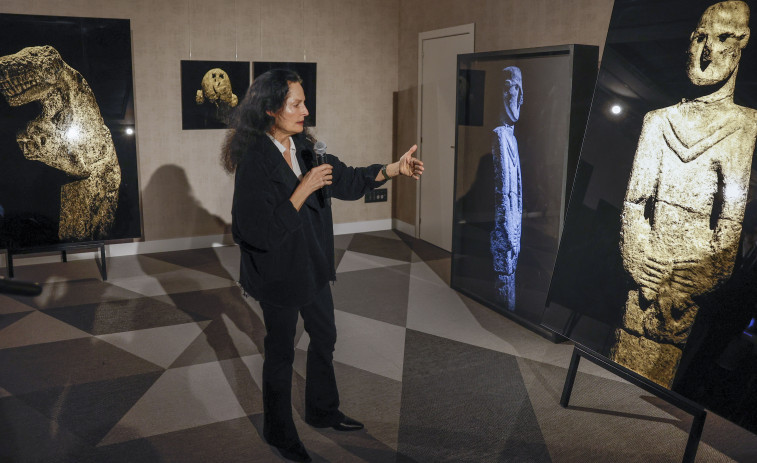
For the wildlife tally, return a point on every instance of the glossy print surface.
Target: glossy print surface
(656, 263)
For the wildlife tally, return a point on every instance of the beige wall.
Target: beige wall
(500, 25)
(185, 193)
(367, 55)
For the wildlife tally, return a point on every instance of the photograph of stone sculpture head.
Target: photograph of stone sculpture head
(668, 260)
(216, 90)
(68, 167)
(510, 178)
(209, 92)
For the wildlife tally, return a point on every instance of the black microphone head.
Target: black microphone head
(320, 148)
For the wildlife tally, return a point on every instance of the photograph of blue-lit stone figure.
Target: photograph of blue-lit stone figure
(514, 165)
(505, 238)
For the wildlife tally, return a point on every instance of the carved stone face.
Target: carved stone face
(716, 43)
(216, 86)
(512, 94)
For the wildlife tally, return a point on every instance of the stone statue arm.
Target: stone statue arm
(636, 228)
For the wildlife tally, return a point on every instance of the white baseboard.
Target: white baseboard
(404, 227)
(173, 244)
(197, 242)
(127, 249)
(360, 227)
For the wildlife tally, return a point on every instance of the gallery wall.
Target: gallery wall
(184, 191)
(499, 25)
(367, 55)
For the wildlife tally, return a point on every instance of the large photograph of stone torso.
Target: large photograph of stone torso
(656, 265)
(68, 155)
(518, 112)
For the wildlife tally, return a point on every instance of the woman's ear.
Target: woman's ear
(271, 113)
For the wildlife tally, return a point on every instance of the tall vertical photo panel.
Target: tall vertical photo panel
(521, 115)
(656, 263)
(68, 162)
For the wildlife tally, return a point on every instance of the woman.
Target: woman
(282, 223)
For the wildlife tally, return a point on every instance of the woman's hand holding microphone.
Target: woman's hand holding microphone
(314, 180)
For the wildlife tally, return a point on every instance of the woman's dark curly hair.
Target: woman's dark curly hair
(250, 119)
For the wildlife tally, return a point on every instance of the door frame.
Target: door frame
(465, 29)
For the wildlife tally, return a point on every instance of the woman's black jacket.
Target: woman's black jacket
(288, 255)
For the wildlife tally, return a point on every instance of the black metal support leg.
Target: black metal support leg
(63, 249)
(103, 265)
(695, 434)
(9, 262)
(570, 378)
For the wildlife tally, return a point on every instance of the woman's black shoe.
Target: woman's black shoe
(344, 424)
(295, 452)
(348, 424)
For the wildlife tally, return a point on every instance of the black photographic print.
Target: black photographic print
(68, 170)
(307, 71)
(656, 267)
(210, 90)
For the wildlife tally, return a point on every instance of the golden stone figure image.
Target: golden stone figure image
(216, 89)
(68, 135)
(685, 200)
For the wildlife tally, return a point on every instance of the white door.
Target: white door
(438, 82)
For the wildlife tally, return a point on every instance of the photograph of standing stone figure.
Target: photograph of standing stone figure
(505, 238)
(685, 200)
(69, 135)
(513, 171)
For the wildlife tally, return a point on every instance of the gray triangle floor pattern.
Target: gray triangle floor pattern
(163, 362)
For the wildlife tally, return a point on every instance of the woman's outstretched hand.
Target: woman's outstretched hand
(410, 166)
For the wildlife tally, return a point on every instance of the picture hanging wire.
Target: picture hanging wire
(189, 14)
(260, 28)
(236, 42)
(302, 29)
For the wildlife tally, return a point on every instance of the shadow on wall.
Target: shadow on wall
(181, 214)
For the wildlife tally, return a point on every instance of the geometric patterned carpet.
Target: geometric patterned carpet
(162, 363)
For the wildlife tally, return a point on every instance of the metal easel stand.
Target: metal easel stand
(63, 248)
(695, 433)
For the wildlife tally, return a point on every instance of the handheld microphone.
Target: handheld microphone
(320, 158)
(19, 288)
